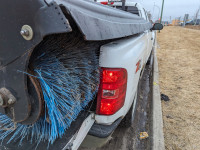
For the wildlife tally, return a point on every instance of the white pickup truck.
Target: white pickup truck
(122, 58)
(122, 62)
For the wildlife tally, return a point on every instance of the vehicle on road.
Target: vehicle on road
(193, 22)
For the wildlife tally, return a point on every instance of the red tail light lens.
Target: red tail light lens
(112, 90)
(107, 3)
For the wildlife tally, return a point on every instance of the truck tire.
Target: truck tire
(150, 59)
(128, 120)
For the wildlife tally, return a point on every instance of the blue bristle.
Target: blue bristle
(68, 84)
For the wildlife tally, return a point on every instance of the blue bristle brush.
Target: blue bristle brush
(68, 71)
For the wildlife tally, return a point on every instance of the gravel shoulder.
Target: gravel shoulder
(179, 72)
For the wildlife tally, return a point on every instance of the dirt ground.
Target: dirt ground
(179, 70)
(197, 27)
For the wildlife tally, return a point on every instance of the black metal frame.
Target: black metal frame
(15, 51)
(101, 22)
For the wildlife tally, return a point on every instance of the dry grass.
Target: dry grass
(179, 69)
(197, 27)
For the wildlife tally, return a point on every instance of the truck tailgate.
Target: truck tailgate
(78, 138)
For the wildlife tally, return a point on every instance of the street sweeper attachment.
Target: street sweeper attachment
(64, 70)
(49, 63)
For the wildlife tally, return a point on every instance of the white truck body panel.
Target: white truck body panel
(125, 53)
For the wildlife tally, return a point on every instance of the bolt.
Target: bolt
(11, 101)
(27, 32)
(1, 100)
(24, 32)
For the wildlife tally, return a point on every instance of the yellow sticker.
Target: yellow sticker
(143, 135)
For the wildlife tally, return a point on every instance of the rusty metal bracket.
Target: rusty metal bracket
(6, 98)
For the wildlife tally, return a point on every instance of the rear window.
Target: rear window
(131, 9)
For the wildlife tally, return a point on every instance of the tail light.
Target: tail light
(107, 3)
(112, 90)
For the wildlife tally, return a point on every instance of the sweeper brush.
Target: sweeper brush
(64, 70)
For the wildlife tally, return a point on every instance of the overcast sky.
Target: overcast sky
(173, 8)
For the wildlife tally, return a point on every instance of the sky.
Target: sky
(173, 8)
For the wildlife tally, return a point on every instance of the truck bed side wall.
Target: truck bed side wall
(125, 54)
